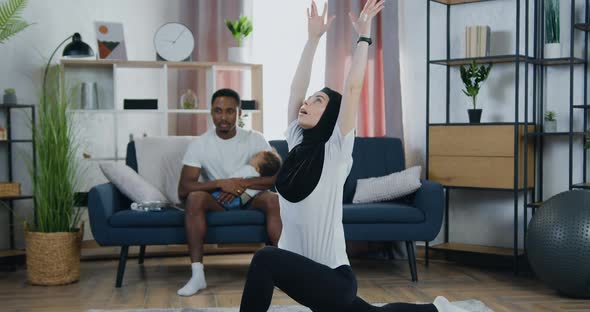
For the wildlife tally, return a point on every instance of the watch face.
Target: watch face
(174, 42)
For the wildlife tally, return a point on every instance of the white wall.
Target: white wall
(482, 217)
(24, 56)
(278, 40)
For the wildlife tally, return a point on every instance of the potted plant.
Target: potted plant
(9, 96)
(188, 99)
(473, 76)
(53, 242)
(239, 29)
(550, 124)
(552, 46)
(10, 19)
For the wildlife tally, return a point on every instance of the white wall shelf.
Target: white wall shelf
(104, 133)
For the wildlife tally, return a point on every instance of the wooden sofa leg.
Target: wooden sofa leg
(141, 254)
(121, 268)
(412, 260)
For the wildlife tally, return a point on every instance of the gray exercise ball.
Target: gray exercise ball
(558, 243)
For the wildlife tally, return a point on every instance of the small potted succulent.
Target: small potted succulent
(9, 96)
(550, 124)
(473, 76)
(239, 29)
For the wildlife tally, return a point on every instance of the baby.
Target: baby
(262, 164)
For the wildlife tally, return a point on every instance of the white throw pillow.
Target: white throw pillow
(388, 187)
(130, 183)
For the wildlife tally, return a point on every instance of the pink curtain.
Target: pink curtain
(380, 103)
(212, 39)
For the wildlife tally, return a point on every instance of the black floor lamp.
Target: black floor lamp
(76, 48)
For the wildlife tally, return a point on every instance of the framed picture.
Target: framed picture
(110, 40)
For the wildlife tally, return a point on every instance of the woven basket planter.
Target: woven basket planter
(53, 258)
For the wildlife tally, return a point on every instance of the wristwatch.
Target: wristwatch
(366, 39)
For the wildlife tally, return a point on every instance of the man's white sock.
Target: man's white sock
(443, 305)
(196, 283)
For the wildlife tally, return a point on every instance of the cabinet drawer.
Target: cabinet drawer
(473, 140)
(470, 171)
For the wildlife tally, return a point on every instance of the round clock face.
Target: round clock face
(174, 42)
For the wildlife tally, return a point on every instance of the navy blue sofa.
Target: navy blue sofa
(416, 217)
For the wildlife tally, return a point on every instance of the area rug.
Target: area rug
(469, 305)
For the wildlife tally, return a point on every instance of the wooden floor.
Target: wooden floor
(154, 285)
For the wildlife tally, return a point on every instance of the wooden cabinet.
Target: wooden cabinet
(480, 156)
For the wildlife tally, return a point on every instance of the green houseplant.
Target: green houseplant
(473, 76)
(239, 29)
(552, 45)
(550, 124)
(53, 242)
(11, 22)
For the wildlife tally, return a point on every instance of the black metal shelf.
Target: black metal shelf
(496, 59)
(554, 133)
(501, 123)
(582, 106)
(485, 188)
(558, 61)
(16, 141)
(582, 27)
(459, 2)
(9, 106)
(535, 205)
(19, 197)
(585, 186)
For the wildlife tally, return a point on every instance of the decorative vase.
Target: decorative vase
(474, 115)
(188, 100)
(53, 258)
(10, 98)
(552, 50)
(550, 126)
(237, 55)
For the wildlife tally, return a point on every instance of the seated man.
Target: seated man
(215, 156)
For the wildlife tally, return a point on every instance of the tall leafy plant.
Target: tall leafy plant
(473, 76)
(552, 21)
(58, 172)
(240, 29)
(10, 19)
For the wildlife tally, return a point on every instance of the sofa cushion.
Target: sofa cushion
(387, 212)
(172, 217)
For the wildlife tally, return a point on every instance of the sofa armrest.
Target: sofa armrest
(103, 201)
(430, 198)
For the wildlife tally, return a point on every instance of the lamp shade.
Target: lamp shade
(77, 48)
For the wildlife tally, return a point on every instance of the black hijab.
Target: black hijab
(302, 169)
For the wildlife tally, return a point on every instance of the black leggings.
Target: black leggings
(314, 285)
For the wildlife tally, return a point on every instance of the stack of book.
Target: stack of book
(477, 41)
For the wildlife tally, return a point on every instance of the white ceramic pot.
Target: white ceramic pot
(550, 126)
(552, 50)
(237, 55)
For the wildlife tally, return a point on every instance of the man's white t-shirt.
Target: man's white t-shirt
(313, 227)
(219, 158)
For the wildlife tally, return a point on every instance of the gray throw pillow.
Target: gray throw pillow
(130, 183)
(387, 187)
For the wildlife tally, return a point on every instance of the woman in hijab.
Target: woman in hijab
(310, 264)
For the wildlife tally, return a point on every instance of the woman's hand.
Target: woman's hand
(316, 24)
(362, 24)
